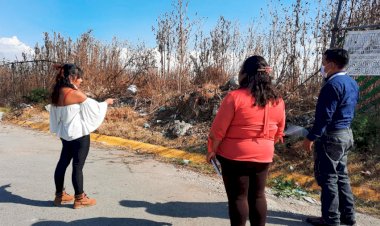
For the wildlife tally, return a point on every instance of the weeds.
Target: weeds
(366, 129)
(286, 188)
(38, 95)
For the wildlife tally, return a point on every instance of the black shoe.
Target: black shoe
(348, 222)
(318, 221)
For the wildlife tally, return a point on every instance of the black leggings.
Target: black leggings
(77, 150)
(245, 187)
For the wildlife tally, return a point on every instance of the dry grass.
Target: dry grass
(3, 109)
(126, 123)
(35, 114)
(366, 188)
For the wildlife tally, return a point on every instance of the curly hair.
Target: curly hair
(62, 79)
(256, 78)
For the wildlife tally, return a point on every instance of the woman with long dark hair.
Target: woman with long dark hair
(73, 116)
(249, 122)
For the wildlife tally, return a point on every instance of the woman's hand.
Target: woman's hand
(209, 156)
(109, 101)
(279, 140)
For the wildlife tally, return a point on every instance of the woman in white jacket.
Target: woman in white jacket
(73, 116)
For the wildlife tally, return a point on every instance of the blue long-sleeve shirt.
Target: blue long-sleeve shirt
(336, 105)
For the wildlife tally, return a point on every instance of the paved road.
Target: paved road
(130, 189)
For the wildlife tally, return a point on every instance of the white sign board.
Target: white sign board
(364, 50)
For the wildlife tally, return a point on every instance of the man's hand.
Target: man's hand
(308, 144)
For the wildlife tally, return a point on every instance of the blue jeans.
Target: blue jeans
(330, 168)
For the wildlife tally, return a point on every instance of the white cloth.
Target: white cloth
(76, 120)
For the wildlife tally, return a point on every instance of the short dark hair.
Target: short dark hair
(338, 56)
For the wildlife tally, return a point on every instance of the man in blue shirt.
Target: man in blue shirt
(333, 140)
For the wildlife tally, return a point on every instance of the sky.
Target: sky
(23, 22)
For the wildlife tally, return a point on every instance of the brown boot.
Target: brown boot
(83, 200)
(62, 198)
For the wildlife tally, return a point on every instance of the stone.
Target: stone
(132, 89)
(179, 128)
(23, 105)
(146, 125)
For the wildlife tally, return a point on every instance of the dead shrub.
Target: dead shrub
(211, 75)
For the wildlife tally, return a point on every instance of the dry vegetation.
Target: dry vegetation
(192, 65)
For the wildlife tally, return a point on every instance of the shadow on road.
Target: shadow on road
(103, 221)
(212, 209)
(171, 209)
(181, 209)
(8, 197)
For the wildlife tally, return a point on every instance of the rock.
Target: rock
(161, 109)
(179, 128)
(146, 125)
(366, 173)
(132, 89)
(23, 105)
(142, 113)
(1, 115)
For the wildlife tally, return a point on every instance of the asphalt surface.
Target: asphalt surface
(130, 188)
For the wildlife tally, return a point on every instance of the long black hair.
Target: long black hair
(62, 79)
(256, 71)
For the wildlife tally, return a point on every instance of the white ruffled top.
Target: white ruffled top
(77, 120)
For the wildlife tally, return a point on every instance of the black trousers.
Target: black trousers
(245, 187)
(77, 150)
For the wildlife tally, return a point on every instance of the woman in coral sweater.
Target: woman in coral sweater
(249, 122)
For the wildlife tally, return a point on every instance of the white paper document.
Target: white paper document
(296, 131)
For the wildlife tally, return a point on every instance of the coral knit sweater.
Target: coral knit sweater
(247, 132)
